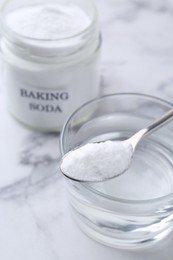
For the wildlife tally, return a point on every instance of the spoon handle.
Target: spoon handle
(164, 119)
(160, 122)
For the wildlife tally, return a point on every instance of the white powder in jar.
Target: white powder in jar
(48, 22)
(51, 53)
(97, 161)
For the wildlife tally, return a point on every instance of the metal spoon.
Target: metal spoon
(73, 171)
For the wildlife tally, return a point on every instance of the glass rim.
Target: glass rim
(91, 189)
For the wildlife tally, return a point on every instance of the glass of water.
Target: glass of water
(135, 209)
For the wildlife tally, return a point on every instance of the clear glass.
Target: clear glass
(47, 79)
(135, 209)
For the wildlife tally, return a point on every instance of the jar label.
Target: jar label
(44, 101)
(41, 108)
(47, 108)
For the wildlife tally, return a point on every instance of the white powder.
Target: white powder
(48, 21)
(97, 161)
(50, 73)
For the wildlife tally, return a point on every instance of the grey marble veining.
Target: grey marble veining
(35, 218)
(139, 39)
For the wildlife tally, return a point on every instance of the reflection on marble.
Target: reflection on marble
(35, 219)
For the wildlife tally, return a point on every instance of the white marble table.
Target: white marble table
(35, 220)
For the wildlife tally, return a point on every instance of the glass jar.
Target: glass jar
(47, 77)
(135, 209)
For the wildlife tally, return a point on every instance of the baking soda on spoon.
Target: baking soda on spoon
(106, 160)
(97, 161)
